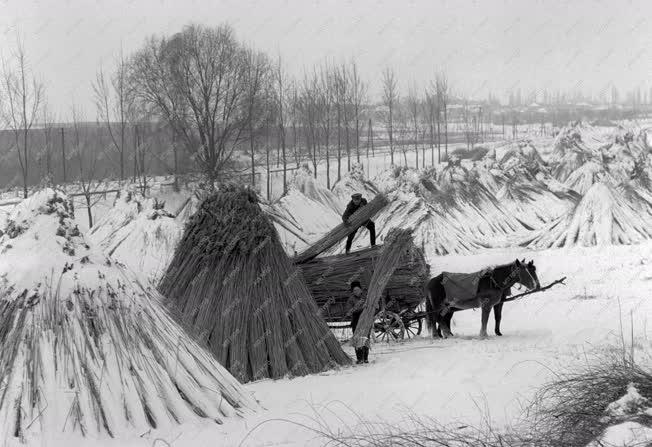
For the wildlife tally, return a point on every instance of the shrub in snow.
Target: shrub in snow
(576, 407)
(630, 404)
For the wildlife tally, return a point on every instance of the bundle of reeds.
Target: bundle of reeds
(232, 285)
(85, 348)
(342, 230)
(397, 243)
(329, 279)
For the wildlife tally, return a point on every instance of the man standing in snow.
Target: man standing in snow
(355, 305)
(357, 201)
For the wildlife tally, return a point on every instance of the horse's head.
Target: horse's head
(527, 274)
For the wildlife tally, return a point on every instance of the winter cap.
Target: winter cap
(357, 195)
(355, 284)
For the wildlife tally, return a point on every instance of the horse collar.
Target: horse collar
(510, 275)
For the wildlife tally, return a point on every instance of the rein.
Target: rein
(495, 283)
(511, 273)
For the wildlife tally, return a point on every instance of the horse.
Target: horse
(493, 288)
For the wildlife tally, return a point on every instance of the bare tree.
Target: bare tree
(281, 93)
(308, 108)
(401, 122)
(431, 113)
(196, 81)
(86, 163)
(340, 92)
(326, 91)
(144, 149)
(413, 110)
(358, 97)
(294, 117)
(442, 99)
(346, 112)
(48, 139)
(24, 94)
(114, 101)
(390, 98)
(258, 79)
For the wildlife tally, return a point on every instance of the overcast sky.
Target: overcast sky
(483, 45)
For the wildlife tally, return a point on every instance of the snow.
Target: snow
(85, 347)
(140, 234)
(462, 379)
(626, 434)
(584, 177)
(603, 216)
(632, 403)
(571, 215)
(304, 181)
(354, 182)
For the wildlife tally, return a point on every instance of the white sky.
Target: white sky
(483, 44)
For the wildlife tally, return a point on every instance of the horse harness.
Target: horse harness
(502, 289)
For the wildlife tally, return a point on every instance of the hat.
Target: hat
(355, 284)
(357, 195)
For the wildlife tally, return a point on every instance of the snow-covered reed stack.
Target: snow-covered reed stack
(608, 173)
(140, 234)
(84, 347)
(231, 283)
(602, 217)
(352, 182)
(304, 181)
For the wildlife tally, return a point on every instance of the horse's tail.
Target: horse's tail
(431, 315)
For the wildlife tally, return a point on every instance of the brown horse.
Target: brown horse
(493, 287)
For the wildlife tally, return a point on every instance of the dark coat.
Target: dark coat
(352, 208)
(356, 303)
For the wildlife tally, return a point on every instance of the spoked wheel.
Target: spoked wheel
(388, 326)
(413, 327)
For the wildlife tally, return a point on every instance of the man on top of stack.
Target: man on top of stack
(357, 202)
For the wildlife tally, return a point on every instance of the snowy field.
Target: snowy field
(466, 379)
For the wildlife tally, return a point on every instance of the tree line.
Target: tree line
(220, 106)
(202, 102)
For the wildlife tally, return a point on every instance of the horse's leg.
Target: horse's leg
(435, 296)
(498, 314)
(449, 318)
(445, 324)
(486, 310)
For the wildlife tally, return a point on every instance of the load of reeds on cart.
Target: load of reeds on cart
(401, 308)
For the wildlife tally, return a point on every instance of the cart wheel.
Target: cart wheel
(388, 326)
(413, 327)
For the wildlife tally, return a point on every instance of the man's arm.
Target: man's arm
(347, 213)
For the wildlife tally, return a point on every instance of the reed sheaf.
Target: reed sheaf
(397, 243)
(341, 231)
(329, 278)
(85, 348)
(232, 285)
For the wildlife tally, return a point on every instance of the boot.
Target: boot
(365, 354)
(359, 355)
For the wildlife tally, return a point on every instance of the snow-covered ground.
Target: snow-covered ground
(467, 379)
(460, 379)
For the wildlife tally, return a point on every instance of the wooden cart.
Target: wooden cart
(401, 311)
